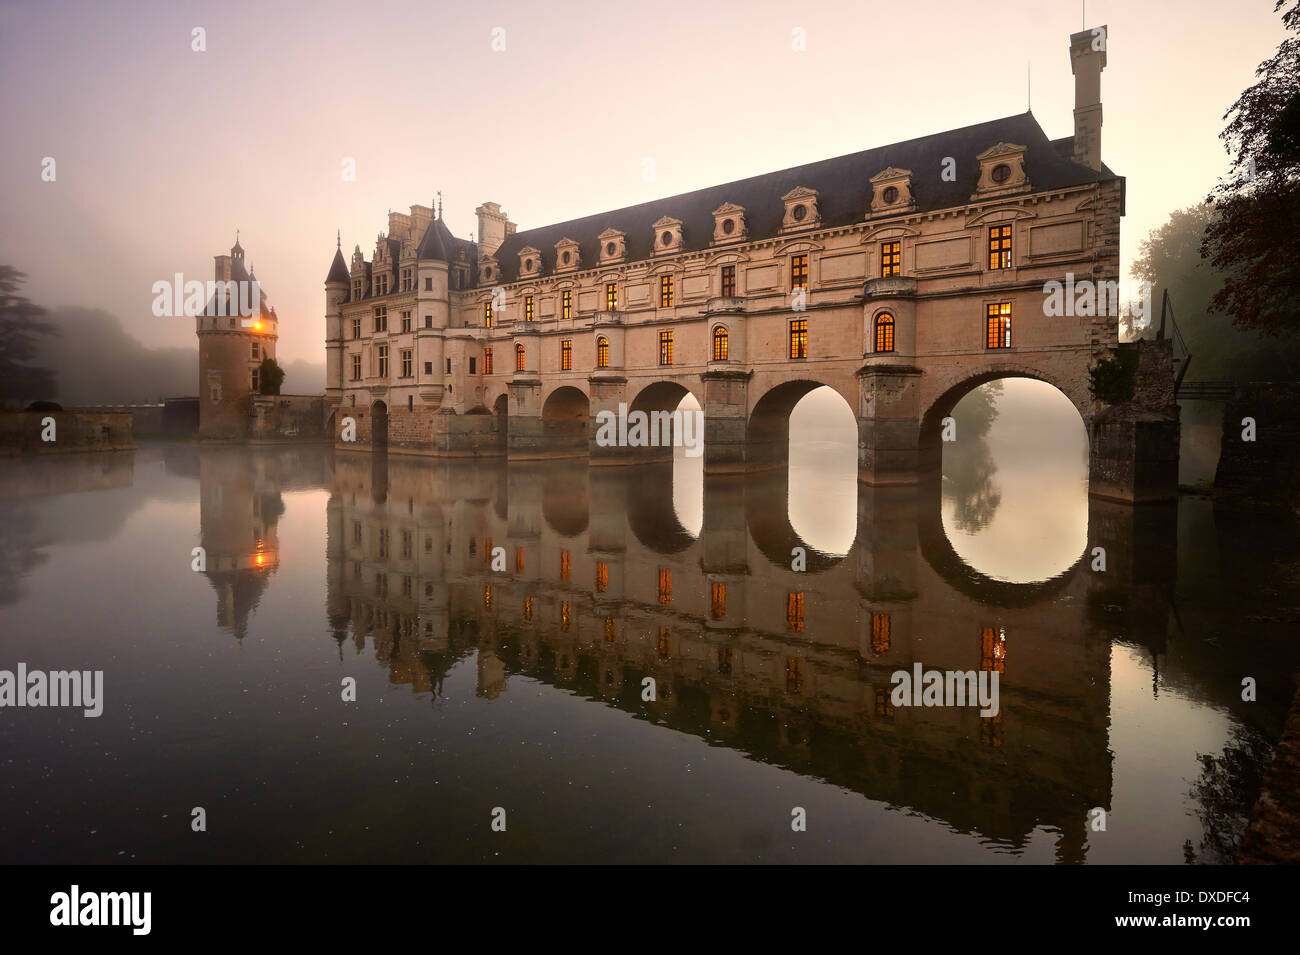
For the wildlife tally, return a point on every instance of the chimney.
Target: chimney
(493, 227)
(1087, 60)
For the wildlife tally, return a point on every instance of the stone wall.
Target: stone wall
(20, 432)
(288, 417)
(1266, 469)
(1134, 444)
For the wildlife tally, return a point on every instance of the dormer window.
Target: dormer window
(801, 210)
(530, 261)
(668, 235)
(729, 223)
(1002, 171)
(567, 255)
(891, 192)
(613, 246)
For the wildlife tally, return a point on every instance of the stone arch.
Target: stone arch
(767, 435)
(663, 395)
(566, 417)
(947, 392)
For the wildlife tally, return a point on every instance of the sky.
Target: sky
(161, 152)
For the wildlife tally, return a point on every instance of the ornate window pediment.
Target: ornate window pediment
(801, 210)
(729, 224)
(667, 236)
(613, 246)
(530, 262)
(891, 192)
(567, 255)
(1002, 171)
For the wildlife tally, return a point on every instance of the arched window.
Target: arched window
(719, 344)
(519, 358)
(884, 332)
(602, 352)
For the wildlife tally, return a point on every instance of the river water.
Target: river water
(515, 693)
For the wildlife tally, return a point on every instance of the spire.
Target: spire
(340, 240)
(439, 203)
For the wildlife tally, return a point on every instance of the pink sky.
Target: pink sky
(163, 152)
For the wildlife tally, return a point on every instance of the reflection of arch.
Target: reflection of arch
(962, 577)
(650, 510)
(565, 416)
(767, 516)
(768, 435)
(379, 425)
(565, 502)
(929, 442)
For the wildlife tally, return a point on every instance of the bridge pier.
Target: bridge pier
(726, 419)
(889, 424)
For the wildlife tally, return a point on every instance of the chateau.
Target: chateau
(902, 276)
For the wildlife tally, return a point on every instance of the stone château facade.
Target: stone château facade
(901, 276)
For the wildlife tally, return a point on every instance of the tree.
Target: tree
(270, 377)
(1170, 260)
(19, 328)
(1253, 239)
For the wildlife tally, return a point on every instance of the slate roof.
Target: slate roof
(338, 269)
(843, 187)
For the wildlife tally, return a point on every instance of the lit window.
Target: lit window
(528, 308)
(1000, 247)
(799, 272)
(665, 348)
(728, 281)
(719, 344)
(519, 358)
(487, 361)
(487, 314)
(880, 633)
(528, 608)
(993, 649)
(565, 615)
(665, 643)
(891, 258)
(799, 338)
(611, 296)
(665, 291)
(999, 325)
(665, 585)
(610, 630)
(566, 566)
(519, 560)
(487, 596)
(566, 354)
(794, 612)
(718, 599)
(884, 332)
(602, 352)
(566, 304)
(602, 576)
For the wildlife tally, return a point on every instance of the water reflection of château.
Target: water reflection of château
(603, 587)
